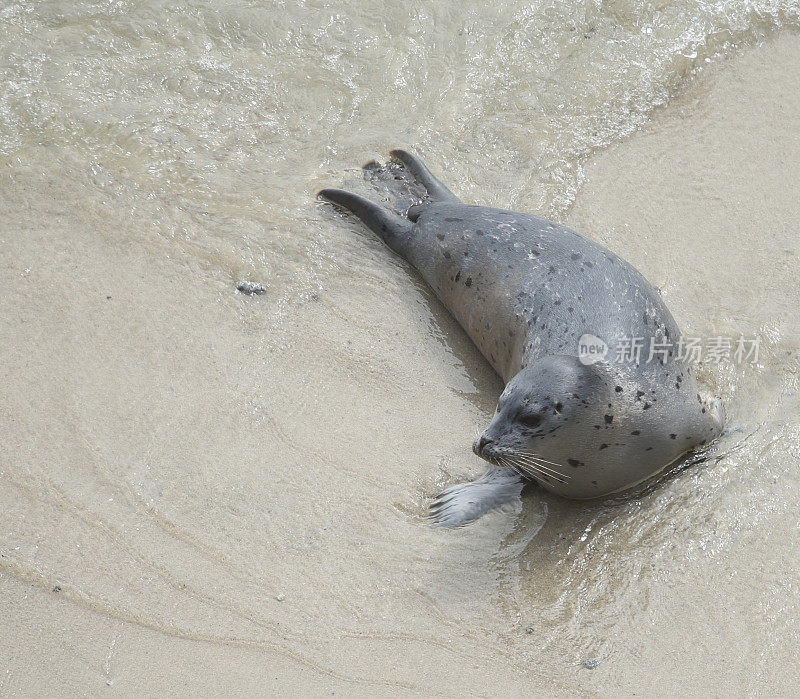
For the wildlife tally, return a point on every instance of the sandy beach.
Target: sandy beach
(206, 492)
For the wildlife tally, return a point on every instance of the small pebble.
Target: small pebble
(251, 288)
(529, 629)
(280, 598)
(591, 663)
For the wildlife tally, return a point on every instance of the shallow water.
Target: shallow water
(206, 491)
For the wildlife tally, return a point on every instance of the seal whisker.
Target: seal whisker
(563, 477)
(507, 464)
(531, 457)
(542, 462)
(535, 471)
(539, 458)
(517, 468)
(530, 469)
(535, 462)
(550, 469)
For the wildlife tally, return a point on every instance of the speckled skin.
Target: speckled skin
(525, 290)
(524, 287)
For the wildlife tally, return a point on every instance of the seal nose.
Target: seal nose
(482, 442)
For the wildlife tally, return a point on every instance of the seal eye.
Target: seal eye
(530, 420)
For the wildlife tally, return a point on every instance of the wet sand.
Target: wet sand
(206, 492)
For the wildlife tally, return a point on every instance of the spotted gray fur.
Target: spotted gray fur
(525, 290)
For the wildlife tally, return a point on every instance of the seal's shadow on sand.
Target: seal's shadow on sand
(488, 385)
(445, 328)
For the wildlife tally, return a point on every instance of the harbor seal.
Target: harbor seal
(598, 396)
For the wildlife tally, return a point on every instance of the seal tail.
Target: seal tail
(390, 227)
(436, 190)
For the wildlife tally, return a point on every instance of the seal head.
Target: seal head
(547, 424)
(583, 431)
(543, 398)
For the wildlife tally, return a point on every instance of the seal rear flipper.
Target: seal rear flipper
(416, 211)
(436, 190)
(391, 228)
(463, 503)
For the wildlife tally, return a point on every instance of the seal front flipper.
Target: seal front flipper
(391, 228)
(463, 503)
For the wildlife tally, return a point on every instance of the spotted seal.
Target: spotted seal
(598, 397)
